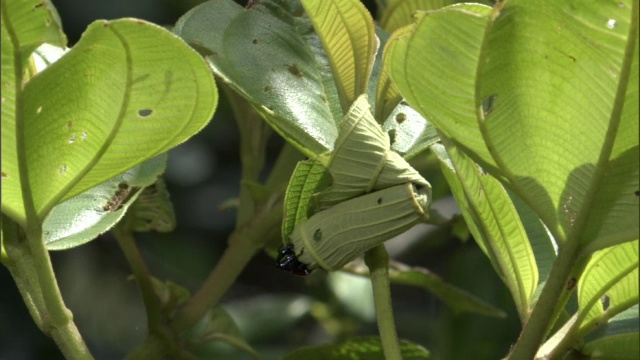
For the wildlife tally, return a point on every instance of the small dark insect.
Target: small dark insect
(287, 260)
(571, 283)
(115, 202)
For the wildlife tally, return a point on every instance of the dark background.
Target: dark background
(203, 173)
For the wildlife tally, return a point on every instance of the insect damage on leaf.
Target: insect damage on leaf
(115, 202)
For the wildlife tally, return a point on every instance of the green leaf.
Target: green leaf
(387, 93)
(129, 90)
(309, 177)
(510, 97)
(614, 217)
(494, 222)
(618, 339)
(363, 161)
(368, 348)
(25, 26)
(83, 217)
(564, 91)
(348, 36)
(458, 300)
(283, 71)
(399, 13)
(445, 45)
(610, 278)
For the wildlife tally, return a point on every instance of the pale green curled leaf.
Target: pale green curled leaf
(458, 300)
(608, 285)
(618, 339)
(129, 90)
(399, 13)
(217, 326)
(494, 222)
(331, 238)
(83, 217)
(369, 348)
(362, 160)
(25, 26)
(309, 177)
(348, 36)
(152, 210)
(270, 56)
(556, 122)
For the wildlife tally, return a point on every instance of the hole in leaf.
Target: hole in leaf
(317, 235)
(145, 112)
(39, 110)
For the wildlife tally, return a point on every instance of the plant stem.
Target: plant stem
(30, 267)
(127, 244)
(159, 333)
(244, 242)
(377, 260)
(539, 320)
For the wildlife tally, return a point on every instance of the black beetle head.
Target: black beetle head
(288, 260)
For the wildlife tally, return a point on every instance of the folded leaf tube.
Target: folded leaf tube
(331, 238)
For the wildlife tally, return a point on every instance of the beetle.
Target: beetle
(288, 260)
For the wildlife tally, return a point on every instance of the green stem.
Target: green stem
(127, 244)
(536, 327)
(20, 264)
(32, 271)
(377, 260)
(159, 333)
